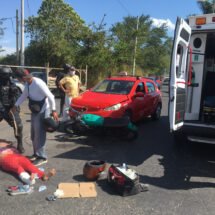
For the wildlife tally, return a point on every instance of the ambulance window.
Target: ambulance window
(179, 61)
(197, 43)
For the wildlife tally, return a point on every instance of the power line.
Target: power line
(123, 6)
(11, 19)
(28, 7)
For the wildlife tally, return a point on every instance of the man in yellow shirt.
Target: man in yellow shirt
(70, 84)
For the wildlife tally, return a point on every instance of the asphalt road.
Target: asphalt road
(181, 179)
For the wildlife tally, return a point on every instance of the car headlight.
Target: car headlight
(114, 107)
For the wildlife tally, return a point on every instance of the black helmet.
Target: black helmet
(66, 67)
(51, 125)
(5, 72)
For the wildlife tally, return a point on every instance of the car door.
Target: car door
(178, 74)
(138, 102)
(151, 98)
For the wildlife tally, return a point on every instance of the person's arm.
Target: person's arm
(21, 99)
(51, 99)
(61, 84)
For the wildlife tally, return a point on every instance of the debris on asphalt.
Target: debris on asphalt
(42, 188)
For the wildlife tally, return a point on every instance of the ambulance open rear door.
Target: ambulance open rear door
(178, 74)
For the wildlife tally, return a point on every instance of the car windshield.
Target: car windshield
(114, 87)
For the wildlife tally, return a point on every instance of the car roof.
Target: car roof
(128, 78)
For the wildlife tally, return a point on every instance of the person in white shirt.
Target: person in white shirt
(41, 103)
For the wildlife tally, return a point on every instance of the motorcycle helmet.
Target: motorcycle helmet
(93, 168)
(5, 72)
(66, 67)
(51, 125)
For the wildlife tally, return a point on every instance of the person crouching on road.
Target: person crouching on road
(12, 161)
(41, 100)
(70, 84)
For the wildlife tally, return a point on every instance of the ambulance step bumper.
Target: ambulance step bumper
(201, 139)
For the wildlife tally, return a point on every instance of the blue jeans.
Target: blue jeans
(38, 134)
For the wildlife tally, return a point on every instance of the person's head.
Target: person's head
(69, 69)
(5, 73)
(23, 75)
(7, 148)
(72, 70)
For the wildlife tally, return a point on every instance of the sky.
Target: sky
(110, 11)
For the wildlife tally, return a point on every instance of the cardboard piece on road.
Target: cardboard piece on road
(87, 190)
(77, 190)
(70, 190)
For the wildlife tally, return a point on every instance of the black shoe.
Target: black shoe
(32, 157)
(21, 149)
(39, 161)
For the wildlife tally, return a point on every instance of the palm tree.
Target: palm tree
(206, 6)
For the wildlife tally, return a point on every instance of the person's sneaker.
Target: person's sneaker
(39, 161)
(25, 189)
(32, 157)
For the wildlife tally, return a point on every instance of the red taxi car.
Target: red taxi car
(118, 96)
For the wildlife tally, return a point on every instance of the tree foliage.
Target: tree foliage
(58, 35)
(1, 33)
(152, 54)
(55, 32)
(206, 6)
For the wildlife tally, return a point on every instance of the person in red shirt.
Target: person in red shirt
(12, 161)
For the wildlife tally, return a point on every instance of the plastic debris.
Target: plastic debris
(42, 188)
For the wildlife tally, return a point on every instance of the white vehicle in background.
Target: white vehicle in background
(192, 80)
(20, 85)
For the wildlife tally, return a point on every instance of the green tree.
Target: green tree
(124, 34)
(206, 6)
(152, 53)
(95, 51)
(155, 55)
(55, 33)
(1, 33)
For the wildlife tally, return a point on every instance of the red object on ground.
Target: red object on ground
(18, 163)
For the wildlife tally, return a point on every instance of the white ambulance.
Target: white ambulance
(192, 80)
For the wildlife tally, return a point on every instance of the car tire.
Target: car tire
(128, 135)
(156, 115)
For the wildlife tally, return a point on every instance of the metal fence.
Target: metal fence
(48, 74)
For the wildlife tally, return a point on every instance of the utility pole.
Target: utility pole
(17, 37)
(22, 56)
(135, 47)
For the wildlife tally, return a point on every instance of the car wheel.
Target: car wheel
(128, 134)
(156, 115)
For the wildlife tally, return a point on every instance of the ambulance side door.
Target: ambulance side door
(178, 76)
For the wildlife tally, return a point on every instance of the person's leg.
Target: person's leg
(66, 108)
(10, 163)
(29, 167)
(62, 100)
(14, 120)
(18, 131)
(38, 135)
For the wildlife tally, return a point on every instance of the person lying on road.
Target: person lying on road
(12, 161)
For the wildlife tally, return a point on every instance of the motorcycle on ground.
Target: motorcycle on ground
(84, 124)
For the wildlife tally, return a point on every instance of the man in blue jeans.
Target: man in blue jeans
(42, 105)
